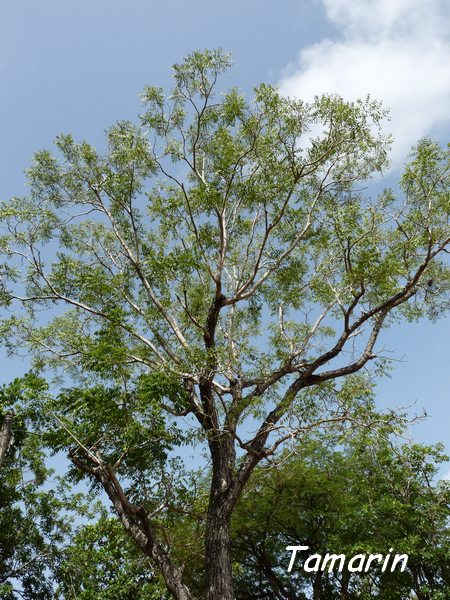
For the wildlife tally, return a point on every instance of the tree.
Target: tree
(215, 276)
(345, 494)
(35, 521)
(102, 563)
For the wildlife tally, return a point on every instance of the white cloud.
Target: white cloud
(397, 51)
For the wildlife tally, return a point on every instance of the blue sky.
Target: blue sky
(78, 66)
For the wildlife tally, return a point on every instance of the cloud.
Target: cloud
(398, 51)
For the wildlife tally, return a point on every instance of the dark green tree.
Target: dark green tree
(35, 517)
(347, 495)
(102, 563)
(214, 276)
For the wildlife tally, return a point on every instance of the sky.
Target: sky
(78, 66)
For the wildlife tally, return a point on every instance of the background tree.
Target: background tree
(35, 517)
(345, 494)
(216, 275)
(102, 563)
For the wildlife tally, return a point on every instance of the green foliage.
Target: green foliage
(128, 425)
(35, 518)
(102, 564)
(141, 247)
(345, 495)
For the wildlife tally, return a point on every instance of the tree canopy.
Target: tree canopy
(217, 276)
(357, 494)
(36, 513)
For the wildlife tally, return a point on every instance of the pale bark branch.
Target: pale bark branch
(6, 435)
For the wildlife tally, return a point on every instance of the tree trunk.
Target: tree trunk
(219, 579)
(317, 586)
(345, 580)
(5, 436)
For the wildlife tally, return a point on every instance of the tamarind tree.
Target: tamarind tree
(217, 277)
